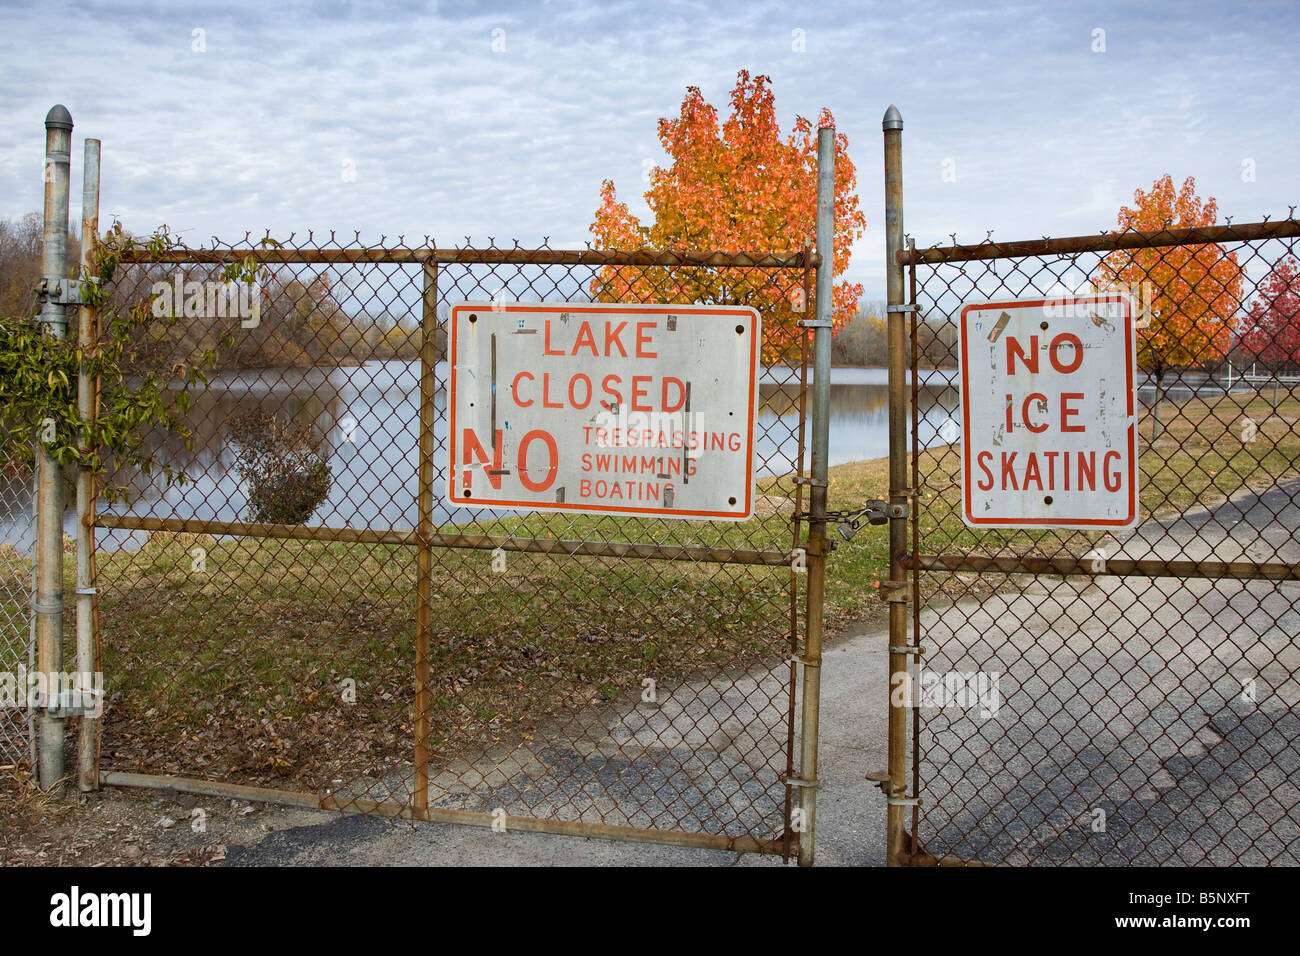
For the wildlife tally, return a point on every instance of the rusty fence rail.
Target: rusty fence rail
(306, 616)
(1127, 698)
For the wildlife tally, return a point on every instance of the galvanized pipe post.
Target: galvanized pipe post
(818, 478)
(49, 479)
(87, 332)
(897, 586)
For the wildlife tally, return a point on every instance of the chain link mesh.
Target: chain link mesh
(16, 590)
(1145, 717)
(569, 678)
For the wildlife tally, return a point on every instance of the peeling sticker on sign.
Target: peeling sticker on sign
(998, 326)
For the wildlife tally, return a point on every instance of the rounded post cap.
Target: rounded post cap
(58, 117)
(893, 119)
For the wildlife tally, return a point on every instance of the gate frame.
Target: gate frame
(902, 848)
(798, 831)
(896, 590)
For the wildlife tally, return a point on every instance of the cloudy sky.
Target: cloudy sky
(500, 119)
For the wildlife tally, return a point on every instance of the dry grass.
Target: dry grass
(22, 801)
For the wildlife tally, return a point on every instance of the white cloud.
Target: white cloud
(447, 137)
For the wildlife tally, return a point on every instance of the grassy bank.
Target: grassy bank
(246, 668)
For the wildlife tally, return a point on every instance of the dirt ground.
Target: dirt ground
(125, 827)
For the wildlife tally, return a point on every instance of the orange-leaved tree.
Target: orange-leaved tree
(738, 187)
(1190, 293)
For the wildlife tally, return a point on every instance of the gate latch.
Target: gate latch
(881, 779)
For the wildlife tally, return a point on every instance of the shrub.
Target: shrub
(287, 473)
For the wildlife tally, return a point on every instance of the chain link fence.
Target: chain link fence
(16, 589)
(302, 609)
(1124, 698)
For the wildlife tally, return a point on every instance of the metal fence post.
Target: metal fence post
(424, 556)
(892, 125)
(87, 740)
(49, 478)
(812, 656)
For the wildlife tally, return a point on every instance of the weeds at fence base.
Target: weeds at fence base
(21, 799)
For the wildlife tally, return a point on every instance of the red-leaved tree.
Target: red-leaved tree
(1270, 332)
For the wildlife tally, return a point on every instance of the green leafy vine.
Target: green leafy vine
(39, 374)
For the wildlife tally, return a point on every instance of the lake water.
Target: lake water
(369, 415)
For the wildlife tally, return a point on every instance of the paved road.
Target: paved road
(850, 817)
(1129, 696)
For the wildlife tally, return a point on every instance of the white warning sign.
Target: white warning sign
(1049, 424)
(603, 408)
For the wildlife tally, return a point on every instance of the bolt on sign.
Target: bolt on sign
(1049, 422)
(603, 408)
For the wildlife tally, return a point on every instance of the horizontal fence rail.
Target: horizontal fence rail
(1103, 242)
(1240, 570)
(608, 549)
(273, 255)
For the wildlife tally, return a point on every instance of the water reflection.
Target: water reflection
(859, 417)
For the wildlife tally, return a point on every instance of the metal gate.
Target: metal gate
(1110, 699)
(292, 611)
